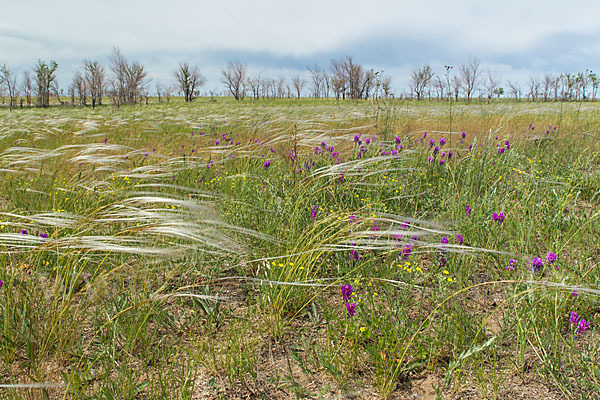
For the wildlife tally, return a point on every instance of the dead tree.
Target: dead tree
(469, 73)
(9, 80)
(94, 77)
(189, 80)
(234, 78)
(298, 84)
(45, 75)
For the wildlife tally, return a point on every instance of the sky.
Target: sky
(513, 38)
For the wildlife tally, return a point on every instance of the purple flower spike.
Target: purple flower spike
(468, 210)
(436, 149)
(573, 318)
(537, 264)
(459, 239)
(346, 292)
(583, 326)
(313, 212)
(463, 135)
(442, 162)
(442, 141)
(351, 308)
(267, 164)
(551, 257)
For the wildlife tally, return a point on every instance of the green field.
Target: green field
(202, 251)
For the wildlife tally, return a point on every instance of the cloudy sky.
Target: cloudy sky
(515, 38)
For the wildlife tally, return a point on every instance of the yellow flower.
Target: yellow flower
(362, 329)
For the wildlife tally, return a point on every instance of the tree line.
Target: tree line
(127, 82)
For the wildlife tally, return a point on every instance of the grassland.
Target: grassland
(205, 251)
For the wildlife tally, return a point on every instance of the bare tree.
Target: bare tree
(386, 86)
(469, 73)
(9, 80)
(317, 75)
(27, 86)
(189, 80)
(45, 75)
(439, 86)
(298, 84)
(94, 76)
(456, 87)
(515, 90)
(547, 86)
(534, 87)
(492, 84)
(79, 88)
(255, 83)
(420, 79)
(234, 77)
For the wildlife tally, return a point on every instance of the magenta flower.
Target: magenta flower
(442, 162)
(351, 309)
(368, 140)
(23, 231)
(313, 212)
(573, 318)
(511, 265)
(459, 239)
(444, 240)
(537, 264)
(498, 217)
(442, 141)
(1, 283)
(582, 326)
(406, 252)
(346, 292)
(551, 257)
(44, 235)
(463, 135)
(267, 164)
(468, 210)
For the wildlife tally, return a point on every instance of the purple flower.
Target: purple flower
(436, 149)
(346, 292)
(442, 141)
(431, 142)
(356, 138)
(397, 139)
(430, 159)
(501, 150)
(424, 135)
(313, 212)
(573, 318)
(443, 154)
(574, 293)
(468, 210)
(444, 240)
(442, 162)
(463, 135)
(354, 254)
(317, 150)
(1, 283)
(450, 154)
(267, 164)
(44, 235)
(498, 217)
(537, 264)
(511, 265)
(368, 140)
(582, 326)
(351, 308)
(105, 140)
(23, 231)
(406, 251)
(459, 239)
(551, 257)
